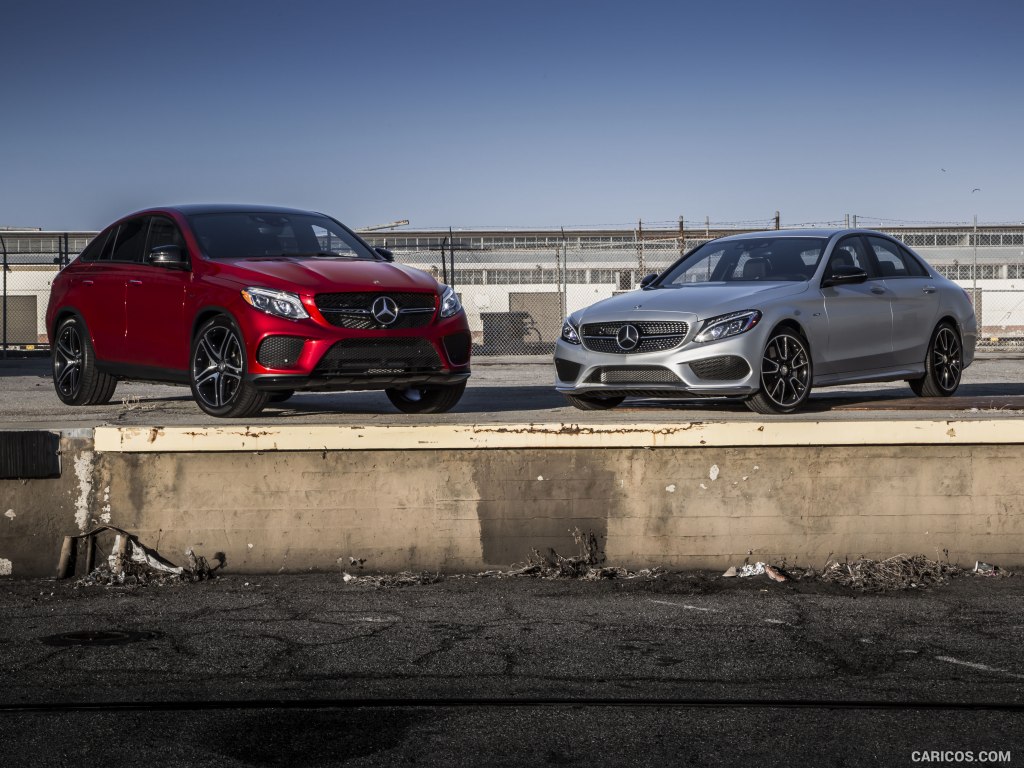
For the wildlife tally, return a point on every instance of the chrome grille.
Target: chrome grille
(352, 310)
(655, 336)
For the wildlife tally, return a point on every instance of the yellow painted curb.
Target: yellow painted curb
(495, 436)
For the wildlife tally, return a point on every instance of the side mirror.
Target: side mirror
(168, 256)
(647, 280)
(844, 275)
(385, 254)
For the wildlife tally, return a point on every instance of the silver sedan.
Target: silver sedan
(767, 316)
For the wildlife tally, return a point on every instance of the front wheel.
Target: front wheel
(943, 366)
(218, 372)
(426, 399)
(786, 374)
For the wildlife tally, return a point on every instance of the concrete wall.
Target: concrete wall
(689, 501)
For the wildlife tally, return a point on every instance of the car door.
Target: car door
(859, 315)
(155, 331)
(104, 286)
(914, 297)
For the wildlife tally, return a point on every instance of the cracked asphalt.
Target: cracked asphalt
(688, 669)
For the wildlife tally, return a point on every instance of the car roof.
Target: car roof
(818, 233)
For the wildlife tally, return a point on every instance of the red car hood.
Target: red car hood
(326, 275)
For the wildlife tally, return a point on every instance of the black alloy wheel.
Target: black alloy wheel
(437, 399)
(943, 366)
(76, 378)
(786, 374)
(218, 372)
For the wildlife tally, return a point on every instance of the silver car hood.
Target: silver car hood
(689, 303)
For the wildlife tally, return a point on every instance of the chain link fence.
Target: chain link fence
(518, 287)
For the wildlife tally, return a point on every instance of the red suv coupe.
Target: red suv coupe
(248, 304)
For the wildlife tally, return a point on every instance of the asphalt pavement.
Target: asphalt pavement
(514, 390)
(687, 669)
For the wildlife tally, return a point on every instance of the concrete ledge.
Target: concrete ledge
(453, 498)
(551, 436)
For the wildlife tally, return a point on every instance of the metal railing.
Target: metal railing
(517, 289)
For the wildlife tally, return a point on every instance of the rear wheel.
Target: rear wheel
(426, 399)
(75, 376)
(218, 372)
(785, 374)
(594, 403)
(943, 366)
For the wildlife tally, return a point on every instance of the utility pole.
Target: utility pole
(682, 236)
(778, 222)
(975, 289)
(3, 246)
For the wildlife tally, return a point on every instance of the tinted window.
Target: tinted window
(94, 250)
(747, 260)
(246, 234)
(164, 232)
(850, 252)
(131, 237)
(894, 261)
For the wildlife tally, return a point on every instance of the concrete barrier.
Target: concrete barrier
(470, 498)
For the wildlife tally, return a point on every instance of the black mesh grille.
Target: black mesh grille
(352, 310)
(566, 370)
(633, 376)
(458, 345)
(655, 336)
(722, 368)
(280, 351)
(376, 357)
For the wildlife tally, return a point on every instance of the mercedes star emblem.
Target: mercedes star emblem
(628, 337)
(385, 310)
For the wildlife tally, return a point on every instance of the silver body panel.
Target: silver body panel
(877, 330)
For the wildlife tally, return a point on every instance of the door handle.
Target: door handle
(134, 282)
(929, 289)
(87, 282)
(878, 291)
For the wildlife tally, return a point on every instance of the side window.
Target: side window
(329, 242)
(893, 261)
(94, 250)
(850, 252)
(914, 267)
(164, 232)
(131, 237)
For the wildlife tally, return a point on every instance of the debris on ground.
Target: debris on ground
(751, 569)
(587, 565)
(730, 572)
(131, 562)
(403, 579)
(775, 574)
(984, 569)
(897, 572)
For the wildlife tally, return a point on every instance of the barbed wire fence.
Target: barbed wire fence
(517, 286)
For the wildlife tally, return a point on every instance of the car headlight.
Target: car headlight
(279, 303)
(570, 332)
(450, 304)
(723, 326)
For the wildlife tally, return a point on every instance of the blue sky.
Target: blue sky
(476, 114)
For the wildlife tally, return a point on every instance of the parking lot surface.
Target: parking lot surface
(502, 390)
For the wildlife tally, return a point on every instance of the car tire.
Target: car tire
(217, 371)
(943, 365)
(76, 378)
(593, 403)
(426, 399)
(281, 396)
(786, 374)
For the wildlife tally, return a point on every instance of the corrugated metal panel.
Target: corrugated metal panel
(29, 455)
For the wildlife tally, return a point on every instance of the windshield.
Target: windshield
(747, 260)
(242, 234)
